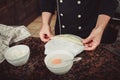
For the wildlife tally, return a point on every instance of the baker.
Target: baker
(85, 18)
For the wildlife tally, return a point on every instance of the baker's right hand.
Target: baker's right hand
(45, 33)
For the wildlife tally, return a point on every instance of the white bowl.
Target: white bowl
(63, 67)
(17, 55)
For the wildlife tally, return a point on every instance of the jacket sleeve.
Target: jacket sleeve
(48, 5)
(108, 7)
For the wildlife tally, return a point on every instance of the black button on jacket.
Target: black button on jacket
(78, 17)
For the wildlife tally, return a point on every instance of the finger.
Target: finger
(90, 48)
(87, 40)
(44, 38)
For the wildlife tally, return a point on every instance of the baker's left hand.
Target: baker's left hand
(93, 40)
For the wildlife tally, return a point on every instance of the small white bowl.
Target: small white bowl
(63, 67)
(17, 55)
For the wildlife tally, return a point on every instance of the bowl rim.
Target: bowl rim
(16, 46)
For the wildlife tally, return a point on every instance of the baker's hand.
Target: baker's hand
(93, 40)
(45, 33)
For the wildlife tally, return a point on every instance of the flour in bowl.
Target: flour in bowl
(15, 54)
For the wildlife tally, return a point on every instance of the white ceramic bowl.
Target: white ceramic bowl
(17, 55)
(63, 67)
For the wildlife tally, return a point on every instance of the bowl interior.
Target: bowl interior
(62, 57)
(17, 52)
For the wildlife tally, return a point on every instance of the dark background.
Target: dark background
(18, 12)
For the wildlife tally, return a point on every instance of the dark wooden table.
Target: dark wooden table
(103, 64)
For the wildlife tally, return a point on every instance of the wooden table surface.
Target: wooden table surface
(102, 64)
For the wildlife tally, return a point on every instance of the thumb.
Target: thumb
(87, 40)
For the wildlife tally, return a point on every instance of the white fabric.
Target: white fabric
(9, 34)
(67, 42)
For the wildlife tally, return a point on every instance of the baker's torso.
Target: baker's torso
(76, 16)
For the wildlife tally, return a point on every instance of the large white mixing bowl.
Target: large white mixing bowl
(65, 64)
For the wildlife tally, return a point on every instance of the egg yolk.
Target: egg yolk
(56, 61)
